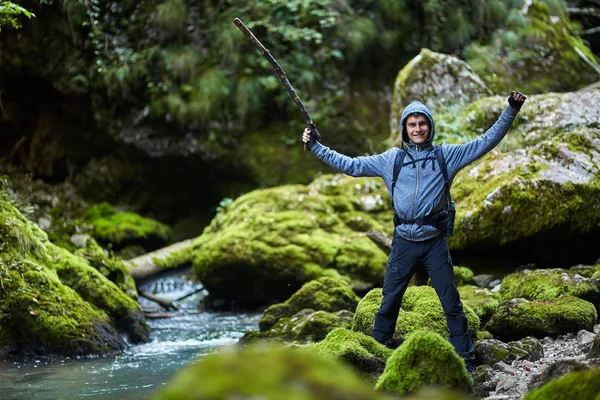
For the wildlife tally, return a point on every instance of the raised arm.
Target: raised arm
(354, 166)
(461, 155)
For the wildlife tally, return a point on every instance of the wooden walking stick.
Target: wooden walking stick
(280, 74)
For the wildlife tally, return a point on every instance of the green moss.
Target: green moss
(306, 326)
(548, 284)
(421, 309)
(94, 288)
(484, 302)
(358, 350)
(584, 385)
(508, 217)
(282, 237)
(171, 16)
(326, 294)
(267, 372)
(424, 359)
(38, 308)
(463, 276)
(123, 228)
(540, 318)
(110, 266)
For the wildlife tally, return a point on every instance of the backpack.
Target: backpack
(443, 220)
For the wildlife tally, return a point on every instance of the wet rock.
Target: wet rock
(492, 351)
(528, 348)
(485, 280)
(554, 371)
(595, 351)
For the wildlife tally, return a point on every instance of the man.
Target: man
(419, 196)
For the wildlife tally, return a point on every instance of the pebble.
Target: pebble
(511, 381)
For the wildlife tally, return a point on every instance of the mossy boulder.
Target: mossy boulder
(539, 185)
(536, 53)
(463, 276)
(584, 385)
(268, 372)
(424, 359)
(108, 265)
(491, 351)
(125, 228)
(54, 302)
(420, 310)
(280, 238)
(483, 301)
(306, 326)
(360, 351)
(518, 318)
(325, 294)
(549, 284)
(442, 82)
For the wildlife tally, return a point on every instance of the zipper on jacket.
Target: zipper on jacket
(416, 191)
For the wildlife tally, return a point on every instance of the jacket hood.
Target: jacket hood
(416, 107)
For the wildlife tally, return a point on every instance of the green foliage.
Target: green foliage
(9, 15)
(531, 50)
(171, 16)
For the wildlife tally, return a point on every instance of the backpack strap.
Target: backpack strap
(442, 163)
(397, 167)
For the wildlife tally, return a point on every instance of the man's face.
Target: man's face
(417, 128)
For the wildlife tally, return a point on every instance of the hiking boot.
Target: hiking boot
(470, 369)
(394, 342)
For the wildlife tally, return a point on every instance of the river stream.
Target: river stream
(142, 369)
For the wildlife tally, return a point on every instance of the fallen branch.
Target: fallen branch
(185, 296)
(157, 315)
(382, 241)
(588, 12)
(164, 303)
(590, 31)
(587, 60)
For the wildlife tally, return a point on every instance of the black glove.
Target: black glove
(314, 136)
(516, 99)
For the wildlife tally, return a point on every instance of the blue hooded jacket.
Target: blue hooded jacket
(419, 189)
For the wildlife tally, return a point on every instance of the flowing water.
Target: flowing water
(142, 369)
